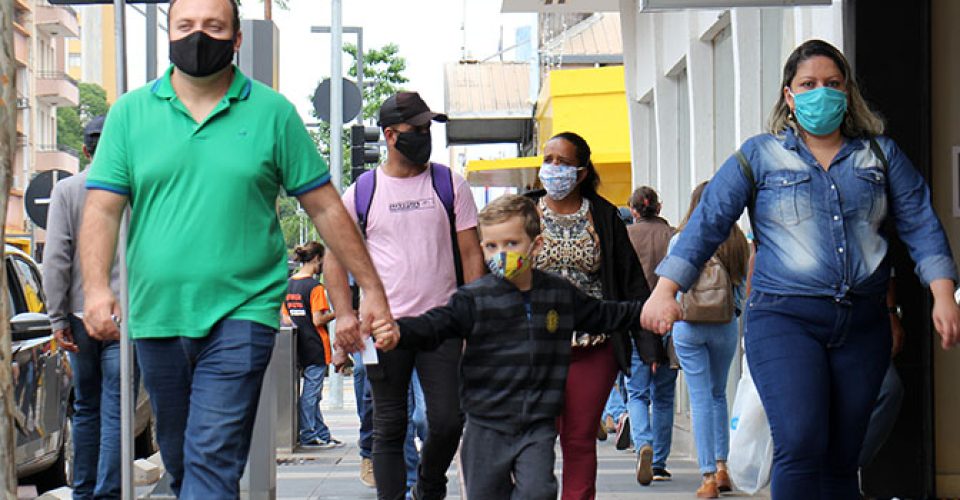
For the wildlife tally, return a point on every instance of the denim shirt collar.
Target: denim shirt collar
(792, 141)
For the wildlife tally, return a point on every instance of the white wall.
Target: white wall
(657, 46)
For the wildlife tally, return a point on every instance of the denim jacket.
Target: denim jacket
(818, 231)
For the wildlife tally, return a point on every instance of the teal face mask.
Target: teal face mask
(820, 111)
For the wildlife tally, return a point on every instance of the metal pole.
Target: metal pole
(336, 93)
(336, 143)
(359, 32)
(126, 348)
(151, 59)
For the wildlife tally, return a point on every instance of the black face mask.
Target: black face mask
(201, 55)
(415, 146)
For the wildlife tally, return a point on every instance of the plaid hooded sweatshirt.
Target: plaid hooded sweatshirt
(514, 366)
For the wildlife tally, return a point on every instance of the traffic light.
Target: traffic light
(364, 148)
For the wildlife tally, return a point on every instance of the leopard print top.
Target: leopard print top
(571, 248)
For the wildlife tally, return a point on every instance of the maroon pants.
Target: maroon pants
(591, 376)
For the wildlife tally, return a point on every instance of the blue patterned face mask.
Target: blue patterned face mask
(820, 111)
(558, 180)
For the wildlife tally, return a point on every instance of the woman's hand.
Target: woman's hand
(946, 313)
(661, 309)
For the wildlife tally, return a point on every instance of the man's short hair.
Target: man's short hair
(236, 15)
(511, 205)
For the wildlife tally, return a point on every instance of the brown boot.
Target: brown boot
(723, 481)
(709, 487)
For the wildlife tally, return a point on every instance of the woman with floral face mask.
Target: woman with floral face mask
(586, 242)
(819, 187)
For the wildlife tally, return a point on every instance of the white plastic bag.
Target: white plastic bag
(751, 446)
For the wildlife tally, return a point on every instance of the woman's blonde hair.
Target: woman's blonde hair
(859, 121)
(734, 252)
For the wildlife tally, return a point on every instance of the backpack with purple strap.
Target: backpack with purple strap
(442, 179)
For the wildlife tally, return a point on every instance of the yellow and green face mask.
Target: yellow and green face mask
(509, 264)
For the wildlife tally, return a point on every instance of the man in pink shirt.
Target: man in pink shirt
(408, 235)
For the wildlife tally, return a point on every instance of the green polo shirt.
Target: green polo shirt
(204, 241)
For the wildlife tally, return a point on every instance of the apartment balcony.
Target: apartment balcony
(57, 21)
(51, 157)
(15, 222)
(21, 45)
(56, 88)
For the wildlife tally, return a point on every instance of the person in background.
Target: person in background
(705, 351)
(651, 387)
(586, 242)
(96, 364)
(306, 307)
(818, 186)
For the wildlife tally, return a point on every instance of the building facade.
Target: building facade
(41, 31)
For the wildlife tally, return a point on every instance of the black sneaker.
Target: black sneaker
(661, 474)
(623, 432)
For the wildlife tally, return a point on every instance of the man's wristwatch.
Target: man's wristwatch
(895, 310)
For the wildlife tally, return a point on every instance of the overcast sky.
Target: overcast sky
(429, 33)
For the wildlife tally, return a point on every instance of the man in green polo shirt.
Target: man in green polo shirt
(201, 154)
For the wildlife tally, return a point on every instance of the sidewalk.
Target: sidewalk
(334, 474)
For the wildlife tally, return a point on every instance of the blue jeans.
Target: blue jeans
(96, 417)
(311, 419)
(615, 403)
(204, 394)
(817, 363)
(361, 390)
(416, 428)
(651, 427)
(705, 352)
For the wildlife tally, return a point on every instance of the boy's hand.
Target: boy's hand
(386, 334)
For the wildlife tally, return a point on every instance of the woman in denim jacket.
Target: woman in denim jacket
(817, 336)
(705, 351)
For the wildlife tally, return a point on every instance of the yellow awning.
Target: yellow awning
(613, 168)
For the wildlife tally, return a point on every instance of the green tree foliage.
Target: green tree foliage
(70, 121)
(383, 68)
(382, 76)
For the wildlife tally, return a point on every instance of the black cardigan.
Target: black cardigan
(622, 278)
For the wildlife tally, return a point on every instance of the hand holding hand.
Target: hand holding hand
(660, 312)
(386, 334)
(348, 338)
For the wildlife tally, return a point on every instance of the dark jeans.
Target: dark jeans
(503, 466)
(96, 417)
(204, 393)
(439, 375)
(883, 417)
(817, 363)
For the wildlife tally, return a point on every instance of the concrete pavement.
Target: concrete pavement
(334, 474)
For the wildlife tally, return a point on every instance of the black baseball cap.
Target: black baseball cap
(407, 107)
(91, 132)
